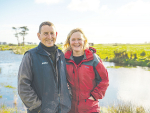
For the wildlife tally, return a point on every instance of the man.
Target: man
(42, 84)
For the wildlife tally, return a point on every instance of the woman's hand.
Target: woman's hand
(91, 98)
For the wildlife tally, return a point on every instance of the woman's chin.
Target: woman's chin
(77, 50)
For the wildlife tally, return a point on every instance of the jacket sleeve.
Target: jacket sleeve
(101, 77)
(25, 91)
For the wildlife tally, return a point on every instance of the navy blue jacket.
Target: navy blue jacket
(42, 87)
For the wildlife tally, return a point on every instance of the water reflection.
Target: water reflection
(133, 86)
(9, 65)
(126, 84)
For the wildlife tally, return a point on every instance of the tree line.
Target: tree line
(22, 31)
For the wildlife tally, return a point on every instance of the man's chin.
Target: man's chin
(49, 45)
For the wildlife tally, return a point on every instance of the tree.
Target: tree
(23, 32)
(16, 34)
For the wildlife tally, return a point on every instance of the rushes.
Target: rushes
(126, 108)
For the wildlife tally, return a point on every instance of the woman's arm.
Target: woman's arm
(102, 80)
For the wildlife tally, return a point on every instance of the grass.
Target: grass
(121, 108)
(126, 108)
(4, 109)
(19, 49)
(124, 54)
(116, 67)
(8, 86)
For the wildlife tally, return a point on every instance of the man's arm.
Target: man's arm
(25, 91)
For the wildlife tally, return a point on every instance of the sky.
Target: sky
(102, 21)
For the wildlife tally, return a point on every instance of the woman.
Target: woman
(87, 76)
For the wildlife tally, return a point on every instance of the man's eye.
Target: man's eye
(52, 33)
(45, 33)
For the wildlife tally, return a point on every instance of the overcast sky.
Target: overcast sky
(103, 21)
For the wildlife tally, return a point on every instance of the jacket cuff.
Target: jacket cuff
(93, 97)
(37, 106)
(36, 110)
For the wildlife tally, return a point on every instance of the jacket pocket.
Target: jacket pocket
(87, 105)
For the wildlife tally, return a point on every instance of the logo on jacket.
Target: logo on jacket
(44, 62)
(86, 66)
(61, 62)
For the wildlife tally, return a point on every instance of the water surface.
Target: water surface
(126, 84)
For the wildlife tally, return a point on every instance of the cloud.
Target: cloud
(138, 7)
(84, 5)
(138, 10)
(48, 1)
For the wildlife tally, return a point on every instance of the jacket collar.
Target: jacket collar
(41, 51)
(88, 54)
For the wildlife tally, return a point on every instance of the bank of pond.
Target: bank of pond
(123, 54)
(120, 108)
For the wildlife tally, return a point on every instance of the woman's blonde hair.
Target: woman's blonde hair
(67, 47)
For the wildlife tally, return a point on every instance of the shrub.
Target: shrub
(143, 53)
(148, 64)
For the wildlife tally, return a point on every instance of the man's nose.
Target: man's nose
(49, 36)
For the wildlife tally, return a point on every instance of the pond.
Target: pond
(9, 65)
(127, 85)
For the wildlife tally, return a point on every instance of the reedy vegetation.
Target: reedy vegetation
(126, 108)
(129, 55)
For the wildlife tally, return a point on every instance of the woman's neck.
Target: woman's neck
(78, 53)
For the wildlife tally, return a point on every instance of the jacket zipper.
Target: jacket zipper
(76, 67)
(59, 82)
(56, 74)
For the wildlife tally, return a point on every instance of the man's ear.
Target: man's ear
(38, 34)
(56, 34)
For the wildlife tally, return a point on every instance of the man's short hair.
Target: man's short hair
(45, 23)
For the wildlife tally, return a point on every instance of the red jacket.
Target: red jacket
(88, 78)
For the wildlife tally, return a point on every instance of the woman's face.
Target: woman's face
(77, 42)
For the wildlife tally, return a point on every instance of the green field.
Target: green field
(131, 54)
(123, 54)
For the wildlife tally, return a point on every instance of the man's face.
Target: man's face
(48, 35)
